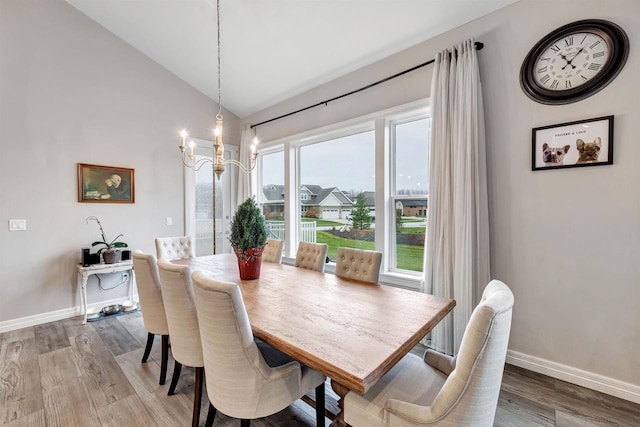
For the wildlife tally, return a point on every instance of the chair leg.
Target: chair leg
(197, 397)
(147, 349)
(211, 415)
(244, 423)
(165, 357)
(174, 380)
(320, 410)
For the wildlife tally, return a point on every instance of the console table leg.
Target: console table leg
(84, 297)
(132, 284)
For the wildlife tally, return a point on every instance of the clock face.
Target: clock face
(574, 61)
(571, 61)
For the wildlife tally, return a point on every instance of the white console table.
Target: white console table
(85, 272)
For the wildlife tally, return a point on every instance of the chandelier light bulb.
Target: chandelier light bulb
(256, 141)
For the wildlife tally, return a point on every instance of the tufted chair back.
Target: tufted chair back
(311, 256)
(358, 264)
(177, 293)
(273, 251)
(150, 294)
(171, 248)
(240, 381)
(441, 390)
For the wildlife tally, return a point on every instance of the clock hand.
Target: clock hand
(569, 61)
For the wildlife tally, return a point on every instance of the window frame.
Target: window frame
(390, 244)
(381, 123)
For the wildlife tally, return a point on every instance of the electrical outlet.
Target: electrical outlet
(125, 277)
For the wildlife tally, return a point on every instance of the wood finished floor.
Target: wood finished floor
(66, 374)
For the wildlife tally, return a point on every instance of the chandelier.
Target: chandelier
(218, 161)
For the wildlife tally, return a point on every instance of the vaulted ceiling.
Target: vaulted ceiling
(275, 49)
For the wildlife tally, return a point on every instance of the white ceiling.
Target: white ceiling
(275, 49)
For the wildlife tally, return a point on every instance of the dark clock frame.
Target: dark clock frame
(618, 45)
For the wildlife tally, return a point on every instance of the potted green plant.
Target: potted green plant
(248, 238)
(109, 252)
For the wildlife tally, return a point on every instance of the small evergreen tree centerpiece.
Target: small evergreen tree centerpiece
(248, 238)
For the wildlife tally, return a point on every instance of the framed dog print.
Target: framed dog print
(574, 144)
(105, 184)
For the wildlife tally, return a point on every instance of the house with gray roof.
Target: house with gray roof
(323, 203)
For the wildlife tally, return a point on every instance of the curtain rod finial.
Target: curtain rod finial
(479, 45)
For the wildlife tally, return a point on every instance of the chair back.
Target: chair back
(150, 293)
(469, 396)
(174, 247)
(273, 251)
(311, 256)
(240, 383)
(177, 294)
(358, 264)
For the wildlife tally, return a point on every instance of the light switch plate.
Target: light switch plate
(17, 225)
(169, 221)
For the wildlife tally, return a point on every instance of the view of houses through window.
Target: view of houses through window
(336, 192)
(334, 175)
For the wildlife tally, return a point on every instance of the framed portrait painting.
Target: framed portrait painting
(574, 144)
(105, 184)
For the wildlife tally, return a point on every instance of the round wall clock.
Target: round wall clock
(574, 61)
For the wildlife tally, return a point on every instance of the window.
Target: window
(338, 174)
(272, 196)
(199, 194)
(409, 189)
(361, 184)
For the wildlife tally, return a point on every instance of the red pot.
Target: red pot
(249, 262)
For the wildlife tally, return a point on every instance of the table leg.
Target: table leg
(341, 391)
(84, 297)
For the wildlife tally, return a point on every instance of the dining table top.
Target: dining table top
(353, 332)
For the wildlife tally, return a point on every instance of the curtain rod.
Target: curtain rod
(478, 46)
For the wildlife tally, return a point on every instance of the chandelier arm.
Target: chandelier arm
(244, 168)
(197, 164)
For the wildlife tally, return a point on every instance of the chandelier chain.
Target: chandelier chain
(219, 70)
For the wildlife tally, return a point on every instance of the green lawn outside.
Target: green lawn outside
(323, 222)
(409, 257)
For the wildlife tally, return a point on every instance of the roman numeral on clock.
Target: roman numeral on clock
(554, 84)
(594, 45)
(545, 79)
(567, 84)
(569, 41)
(542, 70)
(555, 48)
(598, 54)
(594, 67)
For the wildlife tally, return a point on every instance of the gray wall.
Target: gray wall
(566, 241)
(71, 92)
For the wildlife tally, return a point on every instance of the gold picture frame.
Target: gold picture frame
(105, 184)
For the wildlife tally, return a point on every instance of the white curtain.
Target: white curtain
(244, 156)
(457, 243)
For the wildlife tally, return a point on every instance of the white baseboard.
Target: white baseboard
(613, 387)
(52, 316)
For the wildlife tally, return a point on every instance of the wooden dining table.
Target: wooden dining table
(352, 332)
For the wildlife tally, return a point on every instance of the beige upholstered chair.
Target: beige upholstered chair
(273, 251)
(153, 315)
(358, 264)
(311, 256)
(177, 294)
(174, 247)
(245, 379)
(444, 390)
